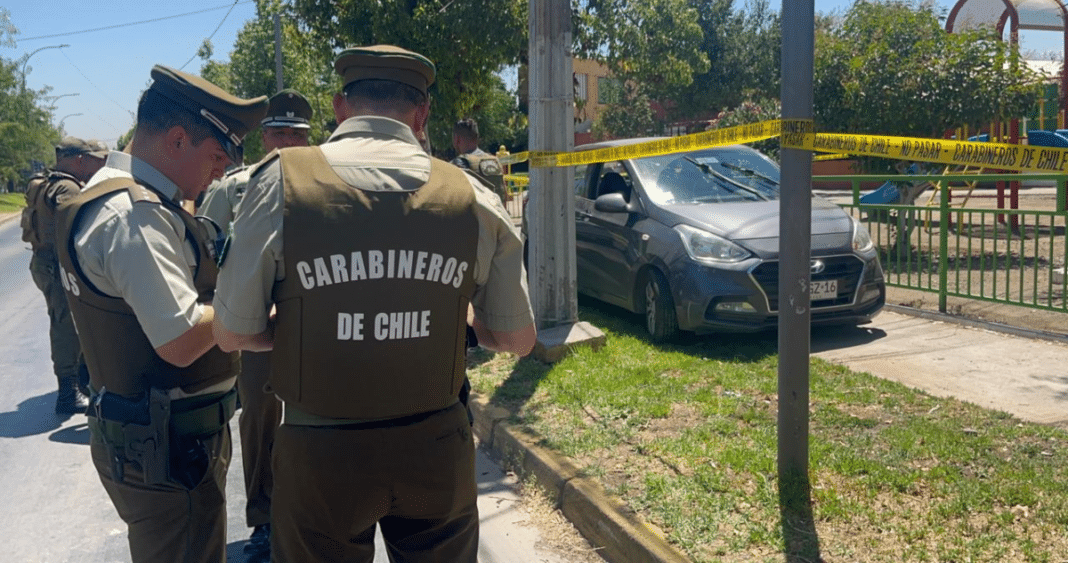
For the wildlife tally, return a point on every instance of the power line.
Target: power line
(95, 86)
(212, 33)
(69, 33)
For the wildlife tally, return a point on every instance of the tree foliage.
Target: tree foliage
(909, 77)
(715, 56)
(27, 137)
(744, 49)
(251, 69)
(469, 42)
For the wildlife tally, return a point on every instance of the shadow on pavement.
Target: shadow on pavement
(77, 434)
(33, 416)
(833, 338)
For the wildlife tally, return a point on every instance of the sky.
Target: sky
(113, 44)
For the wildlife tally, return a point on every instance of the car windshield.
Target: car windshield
(726, 174)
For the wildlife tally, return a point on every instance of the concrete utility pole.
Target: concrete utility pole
(551, 223)
(795, 315)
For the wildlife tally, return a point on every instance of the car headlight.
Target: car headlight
(861, 237)
(704, 246)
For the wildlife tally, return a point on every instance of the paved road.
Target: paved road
(53, 508)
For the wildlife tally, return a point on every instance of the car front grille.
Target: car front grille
(846, 269)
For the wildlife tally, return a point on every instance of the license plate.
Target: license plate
(824, 289)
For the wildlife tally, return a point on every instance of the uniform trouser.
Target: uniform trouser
(332, 485)
(261, 413)
(168, 523)
(66, 351)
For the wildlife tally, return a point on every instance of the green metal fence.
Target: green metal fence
(1013, 256)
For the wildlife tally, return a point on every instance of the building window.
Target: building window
(580, 87)
(609, 90)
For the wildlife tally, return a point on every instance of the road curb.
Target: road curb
(5, 217)
(617, 533)
(984, 325)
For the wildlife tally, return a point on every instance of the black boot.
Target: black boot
(258, 547)
(70, 399)
(83, 379)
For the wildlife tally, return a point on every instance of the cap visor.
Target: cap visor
(281, 123)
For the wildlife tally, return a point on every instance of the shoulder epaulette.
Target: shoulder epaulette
(271, 157)
(234, 171)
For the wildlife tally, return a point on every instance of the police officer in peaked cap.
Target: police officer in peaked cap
(374, 255)
(76, 161)
(287, 124)
(139, 271)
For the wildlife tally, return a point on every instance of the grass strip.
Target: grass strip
(12, 202)
(685, 434)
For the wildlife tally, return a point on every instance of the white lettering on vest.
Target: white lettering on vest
(322, 275)
(447, 273)
(374, 264)
(304, 273)
(359, 272)
(434, 270)
(69, 282)
(378, 264)
(350, 326)
(402, 325)
(420, 266)
(337, 263)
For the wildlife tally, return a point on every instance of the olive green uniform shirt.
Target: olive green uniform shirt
(139, 253)
(222, 197)
(374, 154)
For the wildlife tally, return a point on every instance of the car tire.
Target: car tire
(660, 319)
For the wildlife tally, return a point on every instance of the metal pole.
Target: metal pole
(278, 52)
(795, 228)
(551, 225)
(32, 53)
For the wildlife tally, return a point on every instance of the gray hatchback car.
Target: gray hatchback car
(691, 240)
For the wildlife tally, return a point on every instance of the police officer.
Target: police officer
(372, 254)
(76, 161)
(138, 269)
(485, 166)
(286, 125)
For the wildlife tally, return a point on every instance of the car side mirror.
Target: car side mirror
(612, 203)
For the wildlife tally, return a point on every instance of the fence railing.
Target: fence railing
(1013, 256)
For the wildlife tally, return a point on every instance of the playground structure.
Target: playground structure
(1015, 15)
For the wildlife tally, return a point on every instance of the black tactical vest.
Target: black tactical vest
(372, 312)
(117, 352)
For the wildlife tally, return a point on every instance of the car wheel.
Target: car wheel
(660, 319)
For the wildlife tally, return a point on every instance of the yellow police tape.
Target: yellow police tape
(800, 134)
(516, 180)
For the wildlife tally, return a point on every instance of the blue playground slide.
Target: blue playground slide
(1040, 138)
(888, 193)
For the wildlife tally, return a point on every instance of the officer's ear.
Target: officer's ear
(422, 117)
(175, 140)
(342, 111)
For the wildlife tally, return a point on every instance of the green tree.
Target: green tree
(743, 47)
(628, 36)
(470, 42)
(909, 77)
(26, 133)
(251, 69)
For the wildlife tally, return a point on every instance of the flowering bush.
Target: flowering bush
(752, 112)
